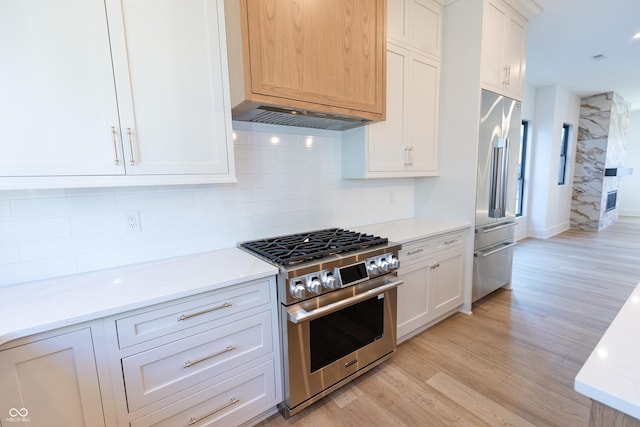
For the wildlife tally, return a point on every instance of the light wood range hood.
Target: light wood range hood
(308, 63)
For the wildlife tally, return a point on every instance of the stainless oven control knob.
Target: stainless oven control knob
(297, 289)
(393, 262)
(383, 265)
(313, 284)
(372, 268)
(329, 281)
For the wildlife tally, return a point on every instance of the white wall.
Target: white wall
(528, 113)
(291, 186)
(452, 195)
(629, 196)
(549, 203)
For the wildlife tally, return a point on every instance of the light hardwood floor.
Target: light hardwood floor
(513, 361)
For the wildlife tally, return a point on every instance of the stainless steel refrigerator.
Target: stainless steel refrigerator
(498, 153)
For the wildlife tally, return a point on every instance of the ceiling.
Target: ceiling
(563, 39)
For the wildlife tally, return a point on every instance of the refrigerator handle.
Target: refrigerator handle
(497, 184)
(504, 178)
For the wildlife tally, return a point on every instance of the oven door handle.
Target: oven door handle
(302, 315)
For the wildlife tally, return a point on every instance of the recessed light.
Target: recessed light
(636, 36)
(599, 57)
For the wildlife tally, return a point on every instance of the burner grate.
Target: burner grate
(297, 248)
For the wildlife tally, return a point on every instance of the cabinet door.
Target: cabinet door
(328, 52)
(422, 111)
(170, 65)
(413, 298)
(425, 21)
(416, 24)
(445, 282)
(514, 55)
(58, 112)
(503, 50)
(51, 382)
(493, 42)
(387, 140)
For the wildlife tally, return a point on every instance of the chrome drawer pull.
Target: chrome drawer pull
(495, 250)
(226, 350)
(188, 316)
(417, 251)
(448, 242)
(433, 267)
(194, 420)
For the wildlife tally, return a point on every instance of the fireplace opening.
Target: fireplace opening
(612, 196)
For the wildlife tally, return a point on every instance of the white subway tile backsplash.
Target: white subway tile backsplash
(292, 186)
(62, 207)
(107, 222)
(6, 213)
(9, 253)
(70, 245)
(35, 270)
(16, 231)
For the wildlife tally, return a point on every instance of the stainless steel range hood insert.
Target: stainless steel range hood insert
(301, 118)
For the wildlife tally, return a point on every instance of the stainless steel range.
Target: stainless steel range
(337, 291)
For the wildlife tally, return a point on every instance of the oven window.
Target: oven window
(337, 334)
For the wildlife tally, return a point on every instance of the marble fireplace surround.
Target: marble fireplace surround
(601, 148)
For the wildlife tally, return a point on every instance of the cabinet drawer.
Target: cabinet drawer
(174, 318)
(417, 250)
(228, 403)
(165, 370)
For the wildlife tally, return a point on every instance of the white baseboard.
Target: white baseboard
(629, 212)
(545, 233)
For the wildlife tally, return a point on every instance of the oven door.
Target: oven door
(333, 336)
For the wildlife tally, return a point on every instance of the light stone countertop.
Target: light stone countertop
(407, 230)
(30, 308)
(611, 374)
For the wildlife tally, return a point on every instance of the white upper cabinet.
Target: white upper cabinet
(136, 96)
(503, 50)
(415, 24)
(406, 143)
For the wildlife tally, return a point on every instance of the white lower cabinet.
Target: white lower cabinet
(203, 360)
(51, 381)
(433, 273)
(211, 359)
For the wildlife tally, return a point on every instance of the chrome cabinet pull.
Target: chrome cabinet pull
(198, 313)
(194, 420)
(226, 350)
(417, 251)
(129, 134)
(448, 242)
(115, 145)
(507, 75)
(433, 267)
(408, 156)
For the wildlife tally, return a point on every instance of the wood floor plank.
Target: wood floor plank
(474, 402)
(518, 352)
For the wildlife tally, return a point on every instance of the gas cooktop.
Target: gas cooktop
(296, 248)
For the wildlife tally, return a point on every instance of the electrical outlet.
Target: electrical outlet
(132, 221)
